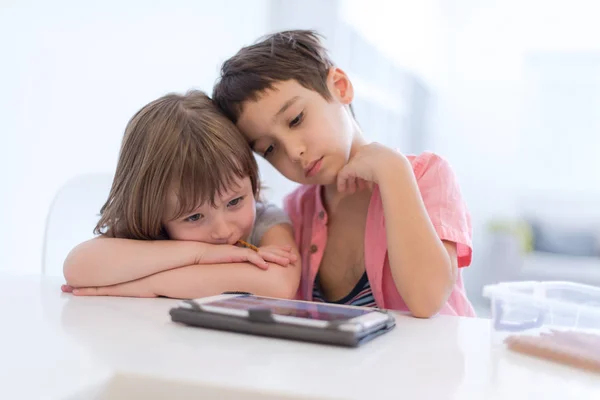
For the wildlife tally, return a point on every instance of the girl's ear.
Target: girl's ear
(340, 86)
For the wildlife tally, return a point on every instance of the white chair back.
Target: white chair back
(73, 215)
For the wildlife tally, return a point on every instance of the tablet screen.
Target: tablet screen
(316, 311)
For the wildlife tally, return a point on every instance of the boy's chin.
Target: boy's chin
(325, 177)
(324, 180)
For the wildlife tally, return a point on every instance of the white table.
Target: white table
(55, 346)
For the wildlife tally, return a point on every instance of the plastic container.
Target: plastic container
(534, 307)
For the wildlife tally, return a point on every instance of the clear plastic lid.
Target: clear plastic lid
(522, 306)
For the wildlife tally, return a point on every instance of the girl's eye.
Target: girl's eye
(194, 218)
(268, 151)
(296, 121)
(235, 202)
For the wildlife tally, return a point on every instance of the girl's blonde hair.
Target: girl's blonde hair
(180, 143)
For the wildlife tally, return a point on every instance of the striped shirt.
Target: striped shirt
(361, 295)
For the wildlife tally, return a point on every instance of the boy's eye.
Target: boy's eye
(194, 218)
(235, 202)
(296, 121)
(268, 151)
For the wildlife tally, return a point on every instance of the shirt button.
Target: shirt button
(313, 248)
(321, 214)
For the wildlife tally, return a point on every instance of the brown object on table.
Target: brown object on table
(246, 244)
(577, 349)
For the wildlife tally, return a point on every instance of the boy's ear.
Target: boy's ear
(340, 86)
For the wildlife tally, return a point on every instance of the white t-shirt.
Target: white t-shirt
(267, 216)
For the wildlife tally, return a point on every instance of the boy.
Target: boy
(374, 227)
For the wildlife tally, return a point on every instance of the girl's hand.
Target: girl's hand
(224, 253)
(278, 254)
(368, 166)
(137, 288)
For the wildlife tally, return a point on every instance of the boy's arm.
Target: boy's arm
(423, 266)
(205, 280)
(427, 226)
(109, 261)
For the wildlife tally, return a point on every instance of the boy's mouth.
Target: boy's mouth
(313, 168)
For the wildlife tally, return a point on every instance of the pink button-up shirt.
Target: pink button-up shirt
(445, 206)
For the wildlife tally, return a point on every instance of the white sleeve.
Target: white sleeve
(267, 216)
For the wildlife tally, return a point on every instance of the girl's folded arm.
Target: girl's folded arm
(195, 281)
(206, 280)
(104, 261)
(108, 261)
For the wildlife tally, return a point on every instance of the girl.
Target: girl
(185, 173)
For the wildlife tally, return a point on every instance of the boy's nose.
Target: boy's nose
(296, 151)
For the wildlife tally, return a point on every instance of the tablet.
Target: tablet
(287, 319)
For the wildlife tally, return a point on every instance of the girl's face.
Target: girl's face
(229, 220)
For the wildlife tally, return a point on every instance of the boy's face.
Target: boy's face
(307, 138)
(230, 220)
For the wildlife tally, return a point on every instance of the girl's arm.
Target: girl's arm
(210, 279)
(108, 261)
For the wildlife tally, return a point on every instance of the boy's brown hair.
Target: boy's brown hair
(289, 55)
(180, 143)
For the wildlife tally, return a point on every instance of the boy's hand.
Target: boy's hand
(369, 165)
